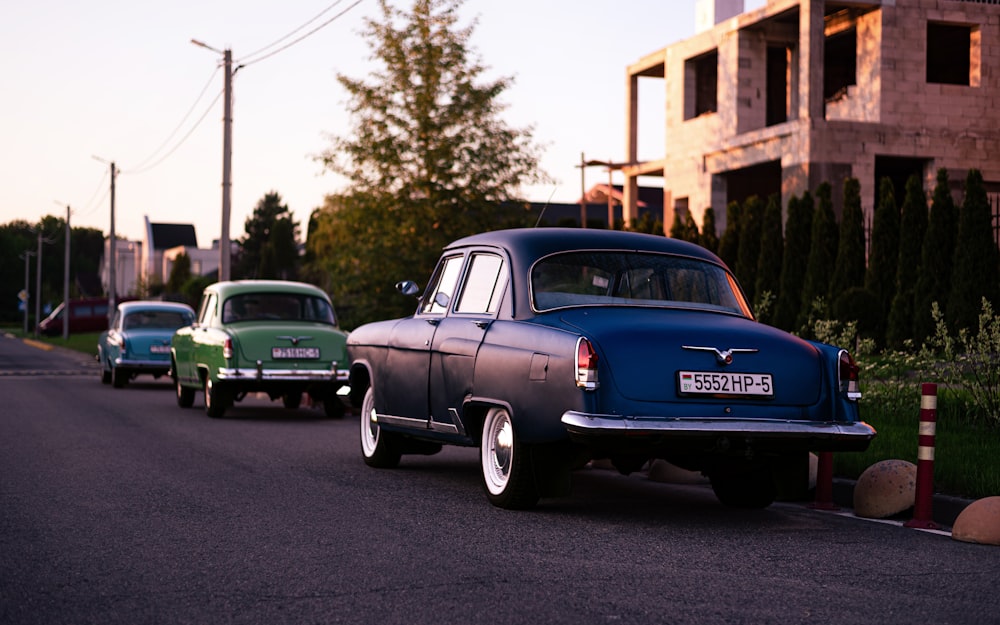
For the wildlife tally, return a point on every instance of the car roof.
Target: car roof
(228, 288)
(153, 305)
(529, 244)
(526, 245)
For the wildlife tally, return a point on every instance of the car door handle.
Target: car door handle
(433, 322)
(482, 323)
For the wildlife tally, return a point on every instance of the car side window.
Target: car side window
(207, 309)
(484, 284)
(437, 299)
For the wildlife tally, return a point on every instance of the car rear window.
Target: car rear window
(276, 307)
(157, 319)
(609, 278)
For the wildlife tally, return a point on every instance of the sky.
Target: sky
(90, 83)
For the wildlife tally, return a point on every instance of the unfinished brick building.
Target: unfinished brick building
(798, 92)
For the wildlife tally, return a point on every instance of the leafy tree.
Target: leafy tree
(823, 247)
(884, 258)
(269, 249)
(19, 236)
(975, 273)
(936, 255)
(912, 229)
(180, 273)
(729, 244)
(751, 224)
(429, 159)
(849, 266)
(794, 260)
(769, 259)
(709, 238)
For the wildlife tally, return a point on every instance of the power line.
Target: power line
(179, 143)
(303, 37)
(274, 43)
(91, 205)
(140, 167)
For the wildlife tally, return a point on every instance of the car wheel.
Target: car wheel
(291, 400)
(743, 486)
(119, 377)
(185, 395)
(215, 400)
(506, 464)
(379, 449)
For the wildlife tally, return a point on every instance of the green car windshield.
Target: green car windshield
(276, 307)
(624, 278)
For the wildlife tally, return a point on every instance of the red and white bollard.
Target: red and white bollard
(824, 482)
(924, 499)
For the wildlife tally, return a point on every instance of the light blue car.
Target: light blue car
(138, 341)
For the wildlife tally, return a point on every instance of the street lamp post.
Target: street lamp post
(227, 156)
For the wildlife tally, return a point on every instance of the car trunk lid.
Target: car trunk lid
(289, 343)
(646, 350)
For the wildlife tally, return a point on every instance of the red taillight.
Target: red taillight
(227, 349)
(586, 365)
(848, 376)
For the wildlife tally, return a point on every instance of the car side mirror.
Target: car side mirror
(408, 287)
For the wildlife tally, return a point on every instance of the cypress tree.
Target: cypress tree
(935, 259)
(729, 245)
(751, 221)
(884, 258)
(822, 253)
(849, 270)
(794, 260)
(769, 259)
(975, 274)
(709, 238)
(677, 228)
(912, 229)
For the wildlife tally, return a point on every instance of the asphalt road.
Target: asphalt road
(117, 506)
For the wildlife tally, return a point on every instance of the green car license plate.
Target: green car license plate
(301, 353)
(719, 383)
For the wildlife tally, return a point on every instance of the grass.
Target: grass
(85, 342)
(966, 452)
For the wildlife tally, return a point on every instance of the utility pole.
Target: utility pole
(112, 258)
(227, 155)
(27, 281)
(227, 166)
(112, 253)
(583, 191)
(66, 278)
(38, 283)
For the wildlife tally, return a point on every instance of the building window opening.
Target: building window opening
(840, 64)
(701, 77)
(778, 94)
(949, 54)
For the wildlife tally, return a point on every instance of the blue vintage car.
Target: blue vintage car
(550, 347)
(138, 341)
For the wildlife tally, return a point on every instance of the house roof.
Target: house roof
(166, 236)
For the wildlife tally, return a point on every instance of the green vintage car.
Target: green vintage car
(261, 336)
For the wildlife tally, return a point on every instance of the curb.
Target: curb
(945, 508)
